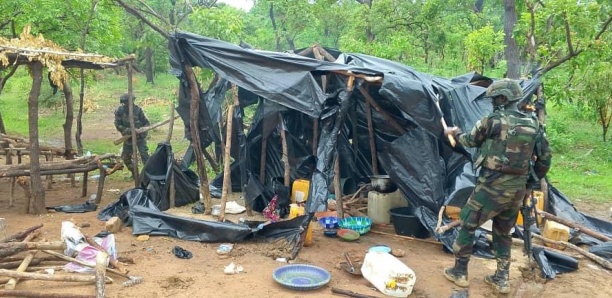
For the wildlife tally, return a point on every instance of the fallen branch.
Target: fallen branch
(350, 293)
(38, 276)
(22, 234)
(406, 237)
(30, 294)
(597, 259)
(574, 225)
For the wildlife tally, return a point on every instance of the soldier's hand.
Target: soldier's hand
(451, 131)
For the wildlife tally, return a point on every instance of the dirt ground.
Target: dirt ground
(168, 276)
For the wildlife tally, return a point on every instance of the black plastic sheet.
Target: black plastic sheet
(603, 250)
(552, 263)
(121, 207)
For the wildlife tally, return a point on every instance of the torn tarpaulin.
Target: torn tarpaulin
(552, 263)
(157, 223)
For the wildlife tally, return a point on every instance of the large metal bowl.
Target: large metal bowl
(382, 184)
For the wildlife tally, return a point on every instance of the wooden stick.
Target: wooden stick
(227, 178)
(10, 285)
(367, 78)
(406, 237)
(447, 227)
(38, 276)
(146, 129)
(597, 259)
(574, 225)
(55, 245)
(385, 115)
(76, 261)
(350, 293)
(440, 215)
(30, 294)
(451, 138)
(22, 234)
(287, 167)
(171, 126)
(372, 139)
(133, 133)
(337, 189)
(101, 260)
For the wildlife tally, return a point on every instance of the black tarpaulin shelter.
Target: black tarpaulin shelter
(294, 92)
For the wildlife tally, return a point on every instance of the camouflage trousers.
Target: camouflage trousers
(127, 151)
(494, 201)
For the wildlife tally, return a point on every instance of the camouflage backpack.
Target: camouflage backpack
(511, 151)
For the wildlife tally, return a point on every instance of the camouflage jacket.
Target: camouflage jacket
(122, 119)
(507, 142)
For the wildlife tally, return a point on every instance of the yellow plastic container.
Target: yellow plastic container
(295, 211)
(555, 231)
(299, 191)
(539, 198)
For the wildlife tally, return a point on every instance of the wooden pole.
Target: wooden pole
(337, 188)
(385, 115)
(315, 136)
(451, 138)
(194, 113)
(34, 245)
(101, 180)
(37, 202)
(132, 127)
(76, 261)
(10, 285)
(101, 260)
(263, 156)
(30, 294)
(227, 178)
(374, 155)
(38, 276)
(597, 259)
(542, 119)
(574, 225)
(171, 125)
(287, 168)
(22, 234)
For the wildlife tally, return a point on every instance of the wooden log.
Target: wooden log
(406, 237)
(385, 115)
(47, 277)
(43, 268)
(194, 113)
(76, 261)
(574, 225)
(227, 178)
(14, 262)
(597, 259)
(371, 138)
(101, 260)
(350, 293)
(287, 167)
(53, 245)
(337, 188)
(30, 294)
(22, 234)
(10, 285)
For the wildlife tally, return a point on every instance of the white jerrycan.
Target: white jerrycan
(388, 274)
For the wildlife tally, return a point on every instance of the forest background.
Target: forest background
(567, 42)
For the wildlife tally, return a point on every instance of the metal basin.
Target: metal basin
(382, 184)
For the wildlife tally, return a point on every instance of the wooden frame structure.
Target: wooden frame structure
(36, 53)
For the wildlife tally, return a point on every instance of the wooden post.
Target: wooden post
(37, 203)
(101, 179)
(337, 187)
(132, 127)
(171, 125)
(542, 120)
(372, 139)
(194, 113)
(13, 180)
(285, 152)
(101, 260)
(385, 115)
(227, 178)
(84, 189)
(49, 157)
(68, 153)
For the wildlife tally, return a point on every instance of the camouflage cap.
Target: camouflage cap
(506, 87)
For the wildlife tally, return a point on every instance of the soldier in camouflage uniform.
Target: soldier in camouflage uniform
(122, 123)
(510, 144)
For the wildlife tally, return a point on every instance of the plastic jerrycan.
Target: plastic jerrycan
(388, 274)
(295, 211)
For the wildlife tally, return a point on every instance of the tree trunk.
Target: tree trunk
(134, 141)
(79, 122)
(149, 65)
(511, 51)
(274, 28)
(69, 119)
(37, 203)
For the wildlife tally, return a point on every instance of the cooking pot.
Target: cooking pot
(382, 184)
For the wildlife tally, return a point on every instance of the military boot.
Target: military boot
(500, 280)
(458, 274)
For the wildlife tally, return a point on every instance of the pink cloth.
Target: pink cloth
(88, 253)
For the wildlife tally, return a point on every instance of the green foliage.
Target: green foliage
(481, 46)
(223, 22)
